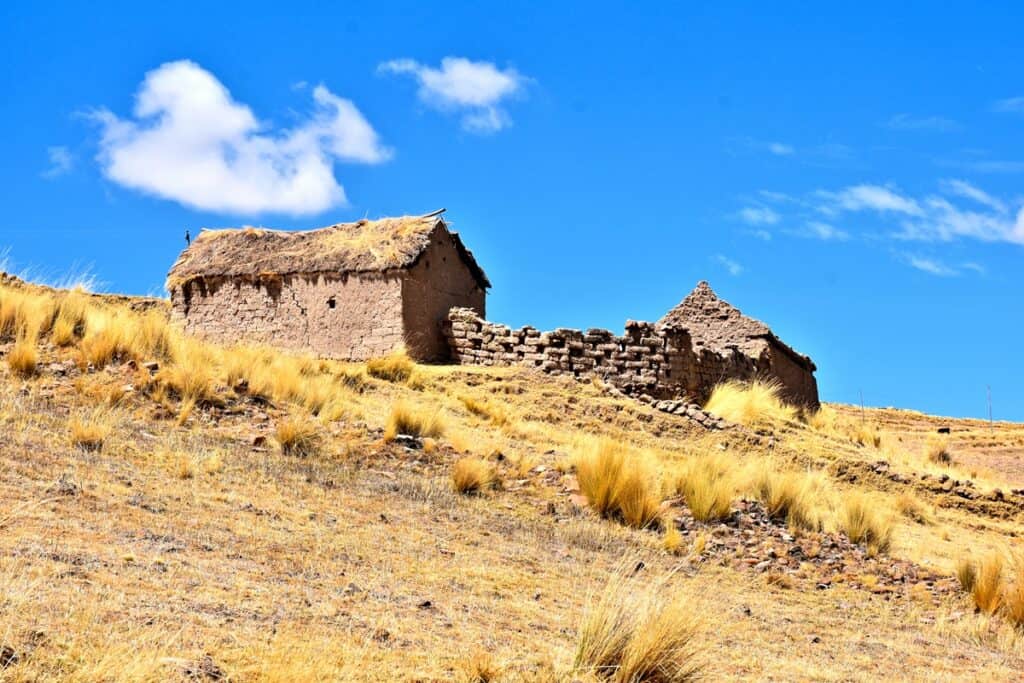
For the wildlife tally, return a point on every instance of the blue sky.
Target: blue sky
(852, 176)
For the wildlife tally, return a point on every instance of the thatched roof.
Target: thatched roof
(360, 247)
(717, 324)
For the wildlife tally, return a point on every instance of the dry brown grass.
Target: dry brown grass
(404, 419)
(395, 367)
(23, 359)
(866, 519)
(755, 403)
(618, 483)
(636, 632)
(89, 433)
(707, 482)
(489, 410)
(913, 508)
(864, 434)
(936, 450)
(799, 498)
(298, 436)
(473, 475)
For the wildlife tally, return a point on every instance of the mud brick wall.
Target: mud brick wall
(350, 318)
(650, 361)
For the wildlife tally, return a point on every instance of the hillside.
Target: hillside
(177, 510)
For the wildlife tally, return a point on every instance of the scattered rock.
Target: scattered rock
(8, 657)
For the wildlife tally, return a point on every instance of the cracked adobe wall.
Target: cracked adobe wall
(352, 317)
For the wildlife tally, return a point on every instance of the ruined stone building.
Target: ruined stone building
(349, 291)
(701, 342)
(353, 291)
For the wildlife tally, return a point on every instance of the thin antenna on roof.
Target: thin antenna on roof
(434, 213)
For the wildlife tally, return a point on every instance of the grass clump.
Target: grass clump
(394, 367)
(795, 497)
(864, 519)
(754, 403)
(866, 435)
(485, 409)
(406, 420)
(23, 359)
(996, 585)
(298, 436)
(936, 450)
(911, 507)
(618, 484)
(636, 633)
(472, 475)
(88, 434)
(707, 484)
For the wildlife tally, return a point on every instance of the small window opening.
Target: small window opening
(427, 262)
(331, 303)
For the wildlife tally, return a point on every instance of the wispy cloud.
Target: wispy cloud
(752, 215)
(930, 266)
(476, 89)
(732, 267)
(962, 188)
(190, 141)
(1013, 105)
(868, 197)
(993, 166)
(61, 162)
(938, 124)
(824, 231)
(780, 149)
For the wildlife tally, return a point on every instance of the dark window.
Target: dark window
(331, 303)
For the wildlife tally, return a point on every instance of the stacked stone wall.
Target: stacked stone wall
(649, 361)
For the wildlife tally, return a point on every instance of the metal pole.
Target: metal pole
(988, 389)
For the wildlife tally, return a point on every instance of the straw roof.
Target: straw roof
(360, 247)
(719, 325)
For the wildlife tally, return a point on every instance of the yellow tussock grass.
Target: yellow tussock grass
(404, 419)
(707, 484)
(298, 436)
(618, 483)
(632, 632)
(89, 433)
(23, 359)
(394, 367)
(472, 475)
(754, 403)
(866, 519)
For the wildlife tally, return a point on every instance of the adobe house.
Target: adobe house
(349, 291)
(719, 326)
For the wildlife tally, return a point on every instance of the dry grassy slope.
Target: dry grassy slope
(184, 550)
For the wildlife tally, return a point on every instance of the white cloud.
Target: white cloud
(870, 197)
(780, 149)
(61, 162)
(825, 231)
(731, 266)
(930, 123)
(474, 88)
(962, 188)
(191, 142)
(758, 216)
(931, 266)
(1010, 104)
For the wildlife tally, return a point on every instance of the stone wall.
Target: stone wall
(655, 362)
(349, 318)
